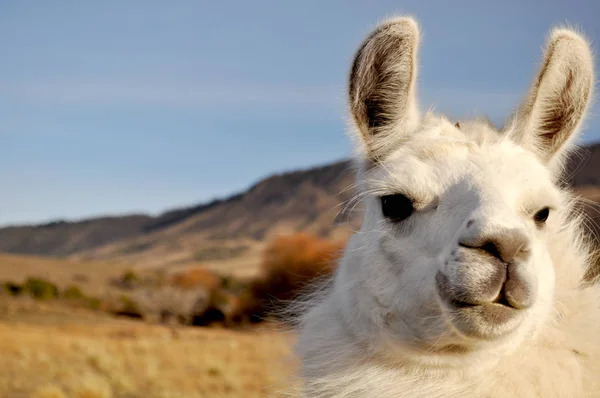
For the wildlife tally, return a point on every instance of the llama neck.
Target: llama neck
(339, 364)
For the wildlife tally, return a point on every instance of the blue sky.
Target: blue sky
(138, 106)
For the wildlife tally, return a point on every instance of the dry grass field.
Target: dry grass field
(50, 351)
(52, 346)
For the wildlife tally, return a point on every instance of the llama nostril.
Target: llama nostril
(507, 245)
(492, 249)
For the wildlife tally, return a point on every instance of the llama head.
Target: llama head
(453, 253)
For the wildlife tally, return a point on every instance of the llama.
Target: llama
(466, 278)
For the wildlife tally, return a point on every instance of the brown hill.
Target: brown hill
(583, 168)
(231, 231)
(62, 238)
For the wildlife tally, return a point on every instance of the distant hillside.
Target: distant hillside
(234, 227)
(299, 200)
(584, 167)
(62, 238)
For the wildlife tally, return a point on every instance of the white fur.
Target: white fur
(381, 328)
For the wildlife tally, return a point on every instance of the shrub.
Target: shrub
(290, 264)
(196, 277)
(219, 309)
(170, 303)
(92, 303)
(122, 305)
(129, 279)
(12, 288)
(195, 296)
(73, 292)
(128, 305)
(40, 289)
(211, 316)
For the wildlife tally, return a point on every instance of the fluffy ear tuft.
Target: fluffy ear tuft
(551, 115)
(382, 86)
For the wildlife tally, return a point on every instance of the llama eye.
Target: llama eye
(541, 216)
(396, 207)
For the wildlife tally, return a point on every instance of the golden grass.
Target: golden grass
(51, 350)
(109, 359)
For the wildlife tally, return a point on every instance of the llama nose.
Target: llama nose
(507, 245)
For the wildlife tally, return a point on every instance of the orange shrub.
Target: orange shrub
(289, 264)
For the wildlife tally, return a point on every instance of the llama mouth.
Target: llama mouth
(487, 321)
(479, 320)
(501, 300)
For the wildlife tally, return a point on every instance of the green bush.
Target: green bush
(40, 289)
(128, 305)
(73, 292)
(93, 303)
(129, 279)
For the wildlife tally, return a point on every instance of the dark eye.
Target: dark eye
(541, 216)
(396, 207)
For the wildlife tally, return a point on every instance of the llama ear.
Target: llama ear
(382, 86)
(558, 100)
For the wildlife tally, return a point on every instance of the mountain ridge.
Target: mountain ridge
(307, 199)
